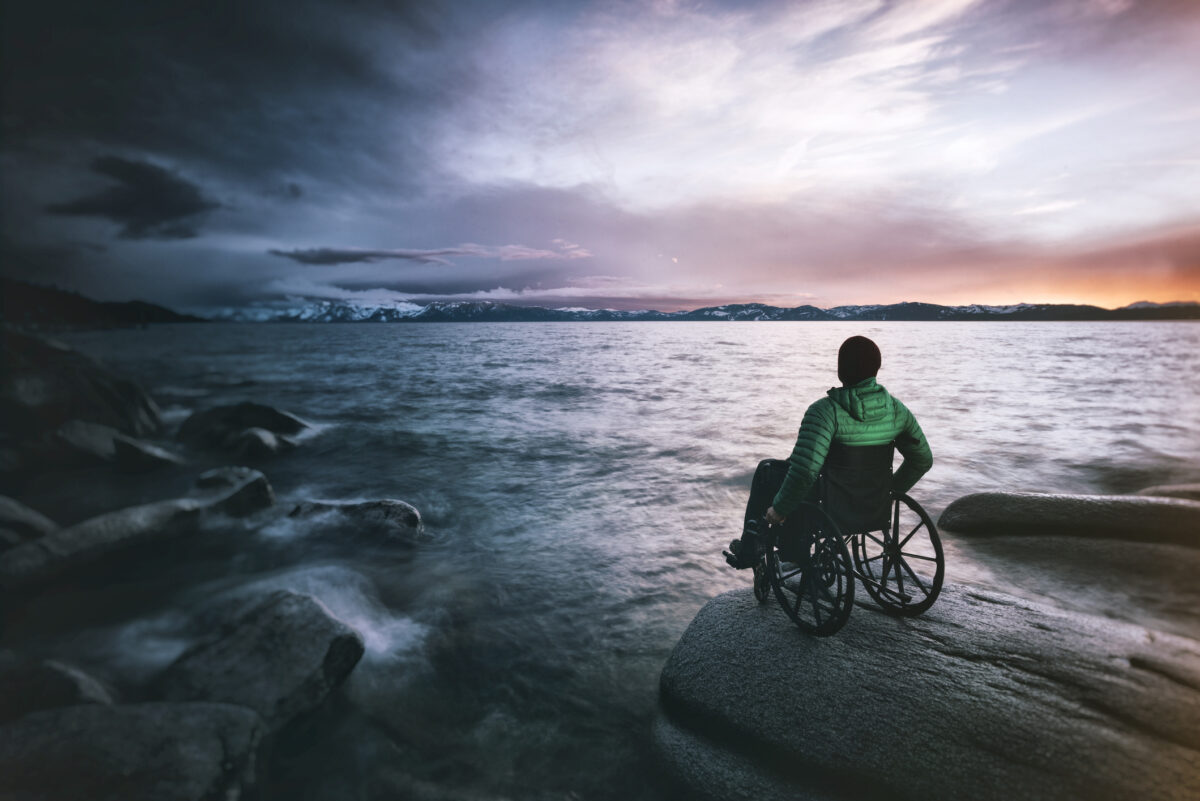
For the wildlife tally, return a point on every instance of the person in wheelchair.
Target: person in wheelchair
(858, 413)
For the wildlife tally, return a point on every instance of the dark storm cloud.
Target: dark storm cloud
(566, 251)
(256, 90)
(148, 201)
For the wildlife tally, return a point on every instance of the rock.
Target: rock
(27, 685)
(223, 427)
(239, 490)
(19, 523)
(140, 752)
(43, 384)
(1145, 519)
(86, 442)
(259, 443)
(135, 456)
(396, 521)
(282, 659)
(79, 443)
(236, 491)
(982, 697)
(1190, 492)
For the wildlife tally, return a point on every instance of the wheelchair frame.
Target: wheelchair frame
(812, 567)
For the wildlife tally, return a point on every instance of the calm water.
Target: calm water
(581, 480)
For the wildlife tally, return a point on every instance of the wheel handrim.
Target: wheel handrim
(902, 566)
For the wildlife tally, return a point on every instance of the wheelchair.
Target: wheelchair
(854, 530)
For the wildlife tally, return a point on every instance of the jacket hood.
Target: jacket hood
(866, 401)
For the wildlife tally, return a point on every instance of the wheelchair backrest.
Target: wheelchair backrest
(854, 486)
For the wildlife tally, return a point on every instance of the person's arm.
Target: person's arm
(812, 446)
(914, 448)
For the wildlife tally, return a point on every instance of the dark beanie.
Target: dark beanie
(858, 358)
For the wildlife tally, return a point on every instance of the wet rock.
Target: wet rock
(20, 524)
(282, 659)
(43, 384)
(135, 456)
(233, 428)
(1145, 519)
(237, 490)
(392, 520)
(1190, 492)
(86, 443)
(259, 443)
(984, 696)
(139, 752)
(27, 685)
(80, 443)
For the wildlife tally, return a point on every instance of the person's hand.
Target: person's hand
(773, 517)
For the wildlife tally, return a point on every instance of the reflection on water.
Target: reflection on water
(580, 481)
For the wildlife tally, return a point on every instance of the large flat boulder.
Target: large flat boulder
(141, 752)
(282, 658)
(27, 685)
(983, 697)
(1131, 517)
(224, 490)
(43, 384)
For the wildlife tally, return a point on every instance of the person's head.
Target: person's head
(858, 358)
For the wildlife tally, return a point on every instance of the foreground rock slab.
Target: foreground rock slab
(27, 685)
(1132, 517)
(282, 659)
(141, 752)
(983, 697)
(238, 490)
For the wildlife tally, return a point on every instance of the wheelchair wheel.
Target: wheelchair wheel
(812, 578)
(902, 567)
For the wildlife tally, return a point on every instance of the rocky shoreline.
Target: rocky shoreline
(205, 725)
(1072, 670)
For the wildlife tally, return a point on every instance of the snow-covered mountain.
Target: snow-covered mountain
(331, 311)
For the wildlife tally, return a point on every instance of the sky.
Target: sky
(609, 155)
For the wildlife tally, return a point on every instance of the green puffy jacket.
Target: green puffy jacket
(864, 414)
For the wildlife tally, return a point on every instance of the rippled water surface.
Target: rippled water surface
(581, 481)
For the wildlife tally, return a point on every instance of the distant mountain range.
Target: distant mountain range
(48, 307)
(486, 311)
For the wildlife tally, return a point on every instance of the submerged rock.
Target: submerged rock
(1146, 519)
(1190, 492)
(20, 524)
(237, 490)
(982, 697)
(43, 384)
(282, 658)
(251, 430)
(135, 456)
(27, 685)
(140, 752)
(393, 520)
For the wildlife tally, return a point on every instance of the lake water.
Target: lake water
(580, 481)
